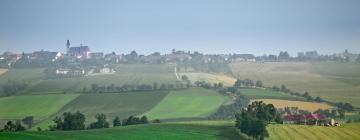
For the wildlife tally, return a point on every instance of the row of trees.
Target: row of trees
(10, 126)
(76, 121)
(95, 88)
(248, 83)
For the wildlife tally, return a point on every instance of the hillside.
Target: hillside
(329, 80)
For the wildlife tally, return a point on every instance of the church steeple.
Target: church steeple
(67, 46)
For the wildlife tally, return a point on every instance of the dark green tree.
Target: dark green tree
(116, 122)
(29, 120)
(100, 123)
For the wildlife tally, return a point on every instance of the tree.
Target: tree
(71, 121)
(184, 77)
(11, 127)
(318, 99)
(117, 122)
(100, 123)
(276, 88)
(238, 83)
(144, 120)
(29, 120)
(259, 83)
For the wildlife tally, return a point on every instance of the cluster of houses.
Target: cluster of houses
(309, 119)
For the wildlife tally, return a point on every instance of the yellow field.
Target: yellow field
(212, 78)
(309, 106)
(331, 81)
(2, 71)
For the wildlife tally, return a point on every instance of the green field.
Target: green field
(138, 132)
(198, 103)
(22, 74)
(110, 104)
(301, 132)
(329, 80)
(266, 94)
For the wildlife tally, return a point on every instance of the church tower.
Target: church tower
(67, 46)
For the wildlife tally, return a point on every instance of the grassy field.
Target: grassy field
(125, 74)
(309, 106)
(301, 132)
(138, 132)
(191, 103)
(212, 78)
(111, 104)
(22, 74)
(329, 80)
(266, 94)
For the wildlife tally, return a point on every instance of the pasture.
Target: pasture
(329, 80)
(266, 94)
(111, 104)
(211, 78)
(134, 74)
(190, 103)
(302, 132)
(137, 132)
(309, 106)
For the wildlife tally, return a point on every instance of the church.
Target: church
(77, 52)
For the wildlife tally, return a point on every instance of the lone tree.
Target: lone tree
(253, 120)
(100, 123)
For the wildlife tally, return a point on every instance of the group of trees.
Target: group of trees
(248, 83)
(76, 121)
(95, 88)
(12, 87)
(254, 119)
(13, 127)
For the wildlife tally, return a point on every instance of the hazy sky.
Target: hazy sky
(210, 26)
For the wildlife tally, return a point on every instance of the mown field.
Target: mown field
(301, 132)
(329, 80)
(138, 132)
(211, 78)
(190, 103)
(309, 106)
(266, 94)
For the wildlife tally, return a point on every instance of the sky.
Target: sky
(208, 26)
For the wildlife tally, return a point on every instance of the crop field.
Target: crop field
(212, 78)
(111, 104)
(329, 80)
(301, 132)
(39, 106)
(125, 74)
(266, 94)
(138, 132)
(309, 106)
(21, 74)
(191, 103)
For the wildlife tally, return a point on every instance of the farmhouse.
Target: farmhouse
(306, 119)
(72, 72)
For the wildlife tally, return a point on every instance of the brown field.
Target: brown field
(3, 71)
(309, 106)
(338, 82)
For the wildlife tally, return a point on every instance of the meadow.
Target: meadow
(302, 132)
(190, 103)
(329, 80)
(252, 93)
(22, 74)
(309, 106)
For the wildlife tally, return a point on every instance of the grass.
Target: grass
(301, 132)
(191, 103)
(111, 104)
(212, 78)
(266, 94)
(309, 106)
(138, 132)
(39, 106)
(330, 80)
(125, 74)
(22, 74)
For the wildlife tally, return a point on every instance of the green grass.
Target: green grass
(22, 74)
(301, 132)
(338, 82)
(267, 94)
(111, 104)
(138, 132)
(125, 74)
(191, 103)
(39, 106)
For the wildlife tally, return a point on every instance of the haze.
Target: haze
(209, 26)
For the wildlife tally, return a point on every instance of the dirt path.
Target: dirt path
(3, 71)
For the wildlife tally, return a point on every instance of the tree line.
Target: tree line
(95, 88)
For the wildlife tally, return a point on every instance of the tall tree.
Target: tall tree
(100, 123)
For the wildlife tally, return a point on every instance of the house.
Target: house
(306, 119)
(70, 72)
(77, 52)
(45, 55)
(97, 55)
